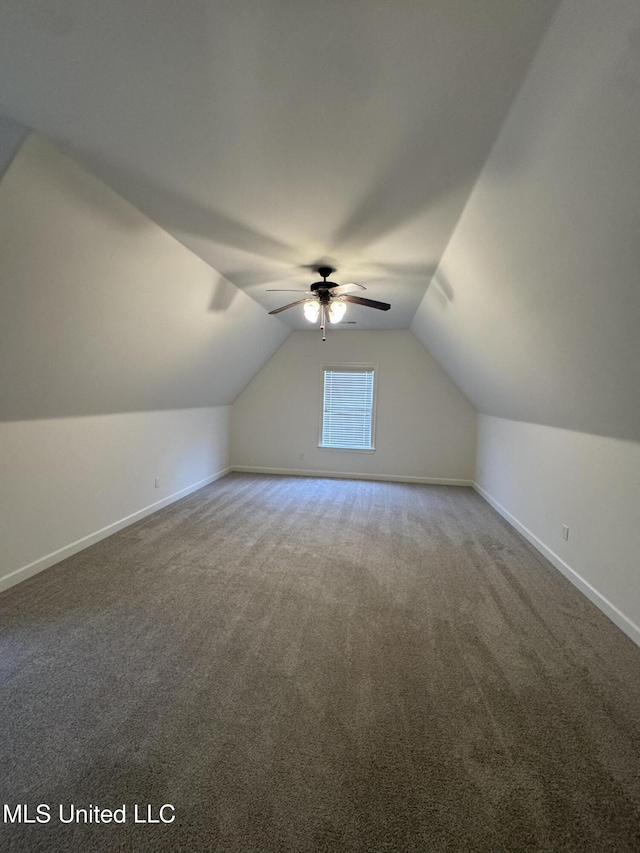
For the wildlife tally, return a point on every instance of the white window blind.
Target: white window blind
(347, 409)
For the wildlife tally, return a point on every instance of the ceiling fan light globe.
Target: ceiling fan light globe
(312, 310)
(337, 310)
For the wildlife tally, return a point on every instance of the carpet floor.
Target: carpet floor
(318, 665)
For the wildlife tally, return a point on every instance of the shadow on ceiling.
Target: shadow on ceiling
(182, 214)
(224, 292)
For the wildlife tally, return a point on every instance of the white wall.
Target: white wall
(119, 354)
(543, 477)
(66, 483)
(534, 310)
(425, 427)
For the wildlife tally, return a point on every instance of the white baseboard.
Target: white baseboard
(617, 616)
(341, 475)
(42, 563)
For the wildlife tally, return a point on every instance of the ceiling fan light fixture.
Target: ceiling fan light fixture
(337, 310)
(326, 300)
(312, 310)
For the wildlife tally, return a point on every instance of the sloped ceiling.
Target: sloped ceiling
(535, 308)
(101, 311)
(12, 136)
(266, 134)
(269, 134)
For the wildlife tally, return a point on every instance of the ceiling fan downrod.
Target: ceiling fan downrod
(321, 289)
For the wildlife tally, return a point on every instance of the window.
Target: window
(348, 407)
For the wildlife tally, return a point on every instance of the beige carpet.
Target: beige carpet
(319, 665)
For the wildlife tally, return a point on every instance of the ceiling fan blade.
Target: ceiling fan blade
(338, 290)
(369, 303)
(290, 305)
(271, 290)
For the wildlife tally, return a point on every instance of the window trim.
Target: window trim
(350, 367)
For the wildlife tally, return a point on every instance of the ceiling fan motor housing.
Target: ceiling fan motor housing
(322, 292)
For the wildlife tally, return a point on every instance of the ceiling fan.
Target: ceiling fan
(328, 299)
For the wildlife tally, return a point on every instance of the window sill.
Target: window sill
(348, 449)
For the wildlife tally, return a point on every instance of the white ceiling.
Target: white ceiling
(102, 311)
(12, 136)
(269, 134)
(535, 309)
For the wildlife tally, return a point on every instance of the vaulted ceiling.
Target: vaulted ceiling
(102, 311)
(269, 134)
(473, 163)
(535, 308)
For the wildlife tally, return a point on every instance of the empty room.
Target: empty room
(320, 426)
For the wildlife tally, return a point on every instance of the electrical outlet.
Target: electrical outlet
(565, 532)
(157, 482)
